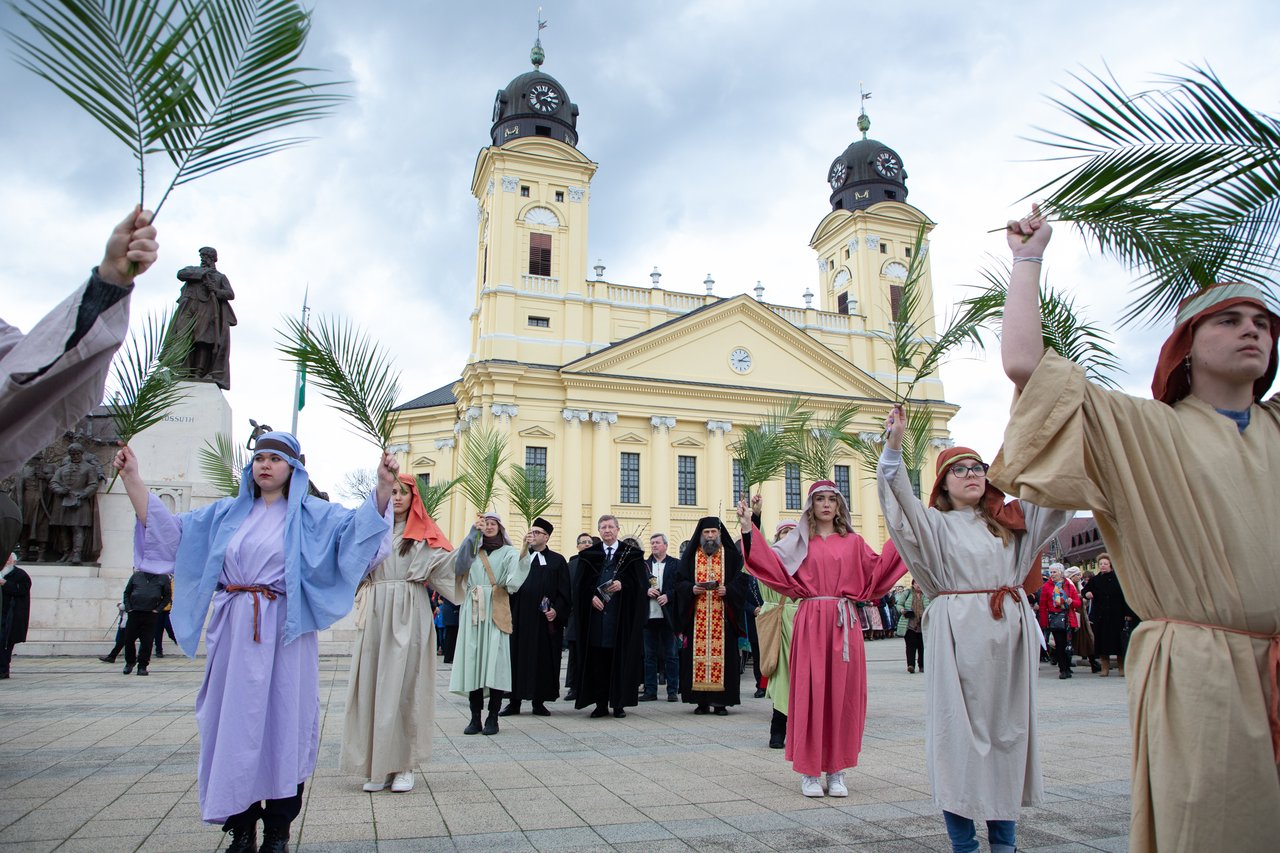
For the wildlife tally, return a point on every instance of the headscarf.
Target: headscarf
(733, 557)
(493, 543)
(1172, 379)
(1008, 514)
(784, 525)
(419, 526)
(794, 548)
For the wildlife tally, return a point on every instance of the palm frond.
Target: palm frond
(434, 494)
(221, 462)
(1063, 327)
(816, 446)
(483, 453)
(529, 490)
(915, 445)
(763, 450)
(145, 376)
(1182, 184)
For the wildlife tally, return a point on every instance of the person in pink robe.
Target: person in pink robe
(828, 567)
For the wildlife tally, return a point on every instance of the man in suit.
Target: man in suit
(659, 636)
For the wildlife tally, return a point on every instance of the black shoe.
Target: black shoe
(540, 710)
(721, 711)
(142, 670)
(106, 659)
(600, 711)
(159, 653)
(511, 710)
(244, 839)
(1063, 675)
(619, 713)
(571, 695)
(759, 692)
(274, 840)
(490, 725)
(3, 675)
(128, 668)
(648, 697)
(702, 709)
(473, 728)
(671, 697)
(777, 743)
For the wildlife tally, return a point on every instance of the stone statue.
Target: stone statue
(75, 504)
(204, 306)
(33, 494)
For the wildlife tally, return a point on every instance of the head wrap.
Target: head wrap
(732, 556)
(419, 526)
(794, 548)
(1172, 379)
(1008, 514)
(785, 524)
(543, 525)
(493, 543)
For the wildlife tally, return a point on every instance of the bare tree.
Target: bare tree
(357, 485)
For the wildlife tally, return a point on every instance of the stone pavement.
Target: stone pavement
(91, 760)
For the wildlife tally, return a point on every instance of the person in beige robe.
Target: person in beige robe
(51, 377)
(980, 703)
(391, 688)
(1185, 495)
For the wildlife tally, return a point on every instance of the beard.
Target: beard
(711, 547)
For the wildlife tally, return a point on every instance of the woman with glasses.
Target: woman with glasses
(1059, 601)
(972, 554)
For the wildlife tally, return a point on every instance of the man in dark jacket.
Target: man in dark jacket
(659, 635)
(539, 612)
(585, 541)
(15, 609)
(145, 596)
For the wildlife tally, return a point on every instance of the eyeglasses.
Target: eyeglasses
(962, 471)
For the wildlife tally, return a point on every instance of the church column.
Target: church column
(719, 489)
(571, 468)
(503, 415)
(660, 494)
(604, 475)
(446, 469)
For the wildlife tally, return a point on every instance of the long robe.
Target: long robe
(391, 687)
(735, 583)
(51, 377)
(981, 742)
(610, 644)
(1107, 613)
(258, 708)
(482, 658)
(828, 701)
(1187, 505)
(779, 687)
(536, 644)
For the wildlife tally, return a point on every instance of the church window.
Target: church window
(559, 195)
(629, 479)
(846, 253)
(739, 481)
(907, 250)
(540, 322)
(425, 479)
(535, 464)
(687, 480)
(895, 300)
(842, 303)
(524, 192)
(791, 484)
(541, 130)
(539, 254)
(890, 194)
(884, 248)
(842, 483)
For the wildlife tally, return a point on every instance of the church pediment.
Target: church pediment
(687, 441)
(736, 342)
(423, 462)
(631, 438)
(536, 432)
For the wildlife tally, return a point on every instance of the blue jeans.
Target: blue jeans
(659, 641)
(1002, 834)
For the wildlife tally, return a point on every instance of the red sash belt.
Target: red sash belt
(997, 597)
(254, 589)
(1273, 667)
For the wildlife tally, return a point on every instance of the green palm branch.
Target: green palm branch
(1181, 184)
(764, 449)
(196, 80)
(349, 369)
(529, 490)
(434, 494)
(1063, 326)
(145, 376)
(483, 453)
(221, 462)
(817, 444)
(915, 445)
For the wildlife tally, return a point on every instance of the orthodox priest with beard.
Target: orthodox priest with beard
(710, 591)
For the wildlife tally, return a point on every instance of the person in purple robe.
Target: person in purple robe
(278, 565)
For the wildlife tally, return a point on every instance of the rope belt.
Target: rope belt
(477, 604)
(1273, 667)
(253, 589)
(846, 616)
(997, 596)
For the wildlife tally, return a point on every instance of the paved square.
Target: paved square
(91, 760)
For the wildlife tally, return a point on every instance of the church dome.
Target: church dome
(865, 173)
(534, 104)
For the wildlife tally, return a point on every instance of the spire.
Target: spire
(537, 55)
(864, 121)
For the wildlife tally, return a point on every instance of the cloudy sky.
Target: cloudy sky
(713, 121)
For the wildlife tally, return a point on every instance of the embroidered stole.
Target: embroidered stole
(708, 626)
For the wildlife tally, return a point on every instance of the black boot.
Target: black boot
(244, 838)
(491, 721)
(778, 730)
(275, 839)
(512, 709)
(477, 705)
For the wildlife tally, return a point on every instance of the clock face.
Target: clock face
(887, 164)
(544, 98)
(839, 169)
(740, 360)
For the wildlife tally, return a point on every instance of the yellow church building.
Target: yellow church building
(628, 396)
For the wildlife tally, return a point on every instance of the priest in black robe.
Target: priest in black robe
(612, 603)
(539, 612)
(711, 589)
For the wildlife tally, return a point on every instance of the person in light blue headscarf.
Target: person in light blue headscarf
(278, 565)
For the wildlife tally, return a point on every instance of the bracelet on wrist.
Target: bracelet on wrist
(1027, 260)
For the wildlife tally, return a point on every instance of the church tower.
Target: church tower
(532, 186)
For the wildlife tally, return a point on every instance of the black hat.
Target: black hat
(543, 525)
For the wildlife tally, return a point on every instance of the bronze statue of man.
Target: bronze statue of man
(204, 307)
(75, 486)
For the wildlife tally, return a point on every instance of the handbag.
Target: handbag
(500, 601)
(769, 634)
(1058, 621)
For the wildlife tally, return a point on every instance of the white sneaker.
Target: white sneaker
(811, 786)
(836, 786)
(372, 786)
(404, 782)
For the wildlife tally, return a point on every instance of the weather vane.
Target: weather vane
(864, 121)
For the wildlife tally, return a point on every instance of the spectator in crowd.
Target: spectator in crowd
(912, 604)
(15, 608)
(1059, 608)
(584, 542)
(659, 634)
(1109, 612)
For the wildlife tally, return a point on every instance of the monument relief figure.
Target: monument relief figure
(75, 505)
(205, 307)
(33, 495)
